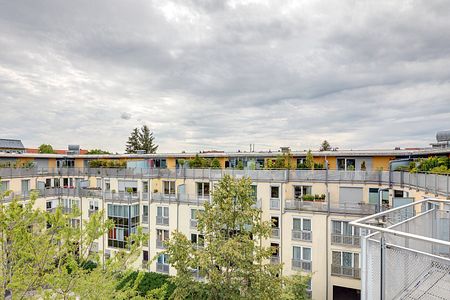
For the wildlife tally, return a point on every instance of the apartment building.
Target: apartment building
(310, 209)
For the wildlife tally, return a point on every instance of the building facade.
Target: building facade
(310, 209)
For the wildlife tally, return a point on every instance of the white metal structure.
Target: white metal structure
(406, 254)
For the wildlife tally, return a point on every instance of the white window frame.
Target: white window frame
(171, 187)
(342, 228)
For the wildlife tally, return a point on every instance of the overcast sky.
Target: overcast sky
(223, 74)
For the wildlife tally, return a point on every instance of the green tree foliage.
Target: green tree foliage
(107, 163)
(295, 287)
(325, 146)
(309, 163)
(97, 151)
(434, 164)
(46, 148)
(233, 259)
(199, 163)
(141, 139)
(283, 161)
(44, 256)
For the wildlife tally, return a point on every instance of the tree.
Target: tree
(146, 140)
(44, 255)
(141, 139)
(325, 146)
(133, 142)
(97, 151)
(215, 164)
(233, 259)
(309, 163)
(46, 148)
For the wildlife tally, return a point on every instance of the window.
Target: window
(99, 183)
(56, 182)
(275, 249)
(162, 235)
(301, 163)
(145, 255)
(126, 219)
(4, 186)
(169, 187)
(93, 205)
(162, 211)
(48, 183)
(344, 228)
(254, 192)
(203, 189)
(107, 186)
(163, 259)
(301, 258)
(198, 239)
(145, 186)
(275, 192)
(345, 259)
(300, 191)
(302, 224)
(347, 164)
(275, 222)
(145, 210)
(25, 186)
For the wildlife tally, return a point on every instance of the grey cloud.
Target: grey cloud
(223, 74)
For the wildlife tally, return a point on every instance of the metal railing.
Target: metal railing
(160, 244)
(302, 265)
(338, 270)
(341, 239)
(162, 220)
(162, 268)
(275, 233)
(144, 219)
(407, 254)
(302, 235)
(345, 208)
(275, 204)
(434, 183)
(274, 260)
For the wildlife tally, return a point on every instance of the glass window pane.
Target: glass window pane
(336, 258)
(307, 224)
(337, 227)
(296, 255)
(297, 224)
(306, 253)
(347, 259)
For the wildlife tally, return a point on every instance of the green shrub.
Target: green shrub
(150, 281)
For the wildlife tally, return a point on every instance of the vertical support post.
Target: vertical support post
(382, 267)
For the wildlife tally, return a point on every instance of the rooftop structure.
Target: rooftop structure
(11, 146)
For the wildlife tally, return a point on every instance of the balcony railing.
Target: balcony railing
(144, 219)
(275, 204)
(302, 235)
(340, 239)
(274, 260)
(437, 184)
(162, 220)
(302, 265)
(338, 270)
(162, 268)
(275, 233)
(160, 244)
(345, 208)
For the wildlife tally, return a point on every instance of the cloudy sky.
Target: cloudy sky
(224, 74)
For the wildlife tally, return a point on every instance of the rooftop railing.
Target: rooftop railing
(433, 183)
(407, 253)
(321, 206)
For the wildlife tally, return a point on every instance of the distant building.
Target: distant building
(442, 139)
(11, 146)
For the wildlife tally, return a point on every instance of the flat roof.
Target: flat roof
(338, 153)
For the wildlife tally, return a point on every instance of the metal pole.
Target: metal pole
(382, 266)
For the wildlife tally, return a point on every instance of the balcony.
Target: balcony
(302, 265)
(344, 208)
(338, 270)
(274, 260)
(347, 240)
(162, 220)
(275, 233)
(92, 211)
(302, 235)
(162, 268)
(160, 244)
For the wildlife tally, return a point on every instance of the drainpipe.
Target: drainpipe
(280, 226)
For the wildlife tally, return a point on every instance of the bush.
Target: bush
(150, 281)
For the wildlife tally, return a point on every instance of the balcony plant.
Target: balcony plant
(308, 198)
